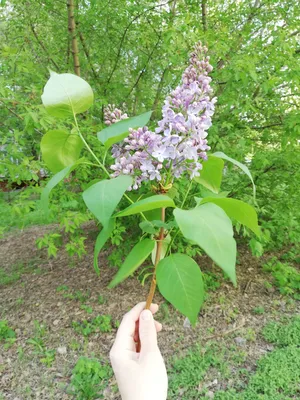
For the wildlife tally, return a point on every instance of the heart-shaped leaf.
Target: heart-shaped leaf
(237, 209)
(150, 203)
(211, 174)
(180, 281)
(238, 164)
(134, 259)
(66, 95)
(60, 149)
(53, 182)
(210, 227)
(102, 238)
(103, 197)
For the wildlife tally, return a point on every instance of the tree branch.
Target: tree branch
(44, 47)
(144, 68)
(86, 52)
(158, 92)
(124, 35)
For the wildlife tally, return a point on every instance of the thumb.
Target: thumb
(147, 332)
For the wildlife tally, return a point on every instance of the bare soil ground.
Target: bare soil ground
(227, 314)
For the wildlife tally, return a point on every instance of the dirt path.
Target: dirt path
(47, 293)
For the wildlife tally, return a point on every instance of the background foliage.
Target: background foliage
(132, 54)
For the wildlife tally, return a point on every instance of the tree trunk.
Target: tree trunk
(72, 31)
(204, 20)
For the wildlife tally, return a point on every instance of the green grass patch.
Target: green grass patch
(102, 323)
(285, 276)
(277, 375)
(89, 378)
(277, 378)
(17, 270)
(283, 334)
(188, 374)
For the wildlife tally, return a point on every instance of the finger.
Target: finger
(147, 331)
(125, 336)
(158, 326)
(136, 337)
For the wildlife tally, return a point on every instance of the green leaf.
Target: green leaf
(238, 164)
(210, 227)
(148, 227)
(211, 174)
(256, 248)
(153, 214)
(60, 149)
(134, 259)
(237, 209)
(103, 197)
(208, 193)
(102, 238)
(66, 94)
(153, 226)
(120, 130)
(180, 281)
(164, 248)
(53, 182)
(173, 192)
(150, 203)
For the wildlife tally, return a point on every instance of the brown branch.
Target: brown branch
(12, 111)
(266, 126)
(87, 53)
(158, 92)
(251, 15)
(294, 33)
(72, 32)
(159, 243)
(124, 35)
(43, 47)
(204, 13)
(256, 178)
(18, 116)
(144, 68)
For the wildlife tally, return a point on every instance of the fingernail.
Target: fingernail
(146, 315)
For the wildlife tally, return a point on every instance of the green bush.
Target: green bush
(286, 277)
(89, 378)
(5, 331)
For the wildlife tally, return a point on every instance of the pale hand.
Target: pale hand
(143, 375)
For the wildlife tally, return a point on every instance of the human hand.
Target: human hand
(140, 376)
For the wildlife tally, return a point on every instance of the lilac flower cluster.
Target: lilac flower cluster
(179, 143)
(113, 114)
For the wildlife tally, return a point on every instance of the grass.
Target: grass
(277, 375)
(89, 379)
(285, 277)
(277, 378)
(46, 355)
(101, 323)
(188, 375)
(21, 210)
(17, 270)
(283, 334)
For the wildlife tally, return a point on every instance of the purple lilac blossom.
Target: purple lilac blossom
(113, 114)
(179, 142)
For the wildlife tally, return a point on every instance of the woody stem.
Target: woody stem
(159, 243)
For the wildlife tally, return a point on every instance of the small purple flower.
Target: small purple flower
(113, 114)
